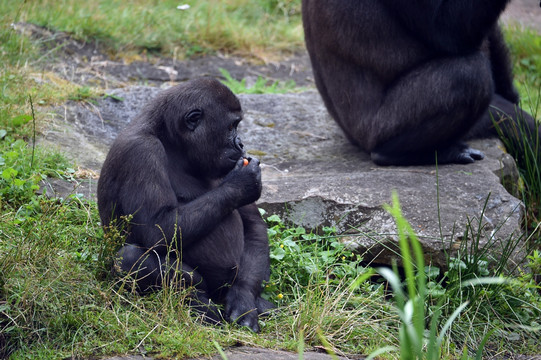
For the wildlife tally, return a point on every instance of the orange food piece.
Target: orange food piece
(245, 162)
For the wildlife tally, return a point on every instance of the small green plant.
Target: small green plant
(21, 171)
(261, 85)
(299, 258)
(321, 287)
(84, 93)
(17, 182)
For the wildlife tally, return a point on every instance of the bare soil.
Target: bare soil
(86, 63)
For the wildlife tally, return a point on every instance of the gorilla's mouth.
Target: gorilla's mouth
(234, 159)
(236, 155)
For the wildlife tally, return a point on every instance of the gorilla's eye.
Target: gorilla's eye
(234, 125)
(192, 118)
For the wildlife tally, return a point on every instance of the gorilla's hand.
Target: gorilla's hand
(240, 307)
(245, 179)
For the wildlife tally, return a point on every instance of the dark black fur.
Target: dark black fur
(407, 78)
(178, 168)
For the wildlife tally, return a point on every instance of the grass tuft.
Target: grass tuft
(261, 85)
(252, 28)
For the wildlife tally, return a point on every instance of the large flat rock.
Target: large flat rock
(314, 177)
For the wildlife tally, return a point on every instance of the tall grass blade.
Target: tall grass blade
(485, 281)
(361, 279)
(381, 351)
(326, 344)
(479, 352)
(300, 345)
(220, 350)
(449, 322)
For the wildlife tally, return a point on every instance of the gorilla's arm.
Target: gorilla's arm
(455, 26)
(158, 213)
(501, 66)
(254, 268)
(255, 262)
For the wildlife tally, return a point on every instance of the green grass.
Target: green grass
(58, 300)
(525, 47)
(256, 29)
(261, 85)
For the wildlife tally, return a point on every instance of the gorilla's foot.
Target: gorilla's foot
(458, 153)
(264, 307)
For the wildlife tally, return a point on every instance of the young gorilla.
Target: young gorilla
(405, 79)
(178, 169)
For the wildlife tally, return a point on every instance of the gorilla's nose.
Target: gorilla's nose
(239, 144)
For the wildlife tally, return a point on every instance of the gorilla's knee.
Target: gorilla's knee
(139, 264)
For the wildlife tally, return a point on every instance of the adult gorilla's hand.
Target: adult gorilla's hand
(245, 179)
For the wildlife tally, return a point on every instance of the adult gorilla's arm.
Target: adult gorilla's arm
(455, 26)
(501, 66)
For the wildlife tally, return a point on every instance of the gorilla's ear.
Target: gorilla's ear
(193, 118)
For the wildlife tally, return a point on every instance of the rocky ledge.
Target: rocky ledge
(313, 177)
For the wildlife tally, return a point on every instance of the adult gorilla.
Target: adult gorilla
(178, 169)
(405, 79)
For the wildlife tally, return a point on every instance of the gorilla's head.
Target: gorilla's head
(200, 118)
